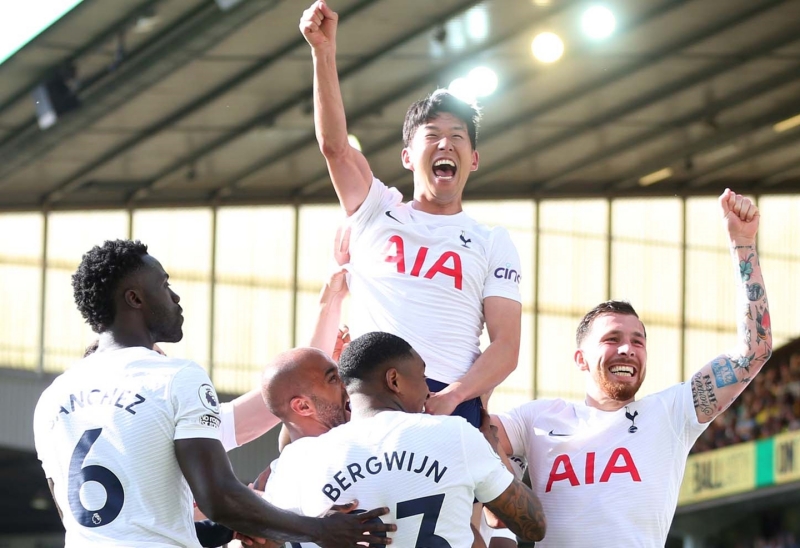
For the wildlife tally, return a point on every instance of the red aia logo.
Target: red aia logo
(449, 264)
(562, 469)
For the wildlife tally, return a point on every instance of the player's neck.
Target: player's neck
(430, 205)
(116, 339)
(363, 406)
(604, 403)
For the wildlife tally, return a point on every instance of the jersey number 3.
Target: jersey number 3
(429, 507)
(79, 475)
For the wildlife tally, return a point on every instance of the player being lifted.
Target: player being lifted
(618, 462)
(422, 270)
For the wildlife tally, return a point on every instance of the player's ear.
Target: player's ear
(405, 156)
(580, 360)
(132, 298)
(302, 406)
(393, 380)
(475, 161)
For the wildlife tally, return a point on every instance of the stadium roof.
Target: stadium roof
(182, 102)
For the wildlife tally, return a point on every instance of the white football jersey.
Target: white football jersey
(620, 471)
(424, 277)
(105, 432)
(426, 469)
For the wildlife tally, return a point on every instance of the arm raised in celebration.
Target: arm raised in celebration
(718, 383)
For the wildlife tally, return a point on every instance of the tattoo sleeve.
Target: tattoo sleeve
(721, 381)
(520, 510)
(754, 326)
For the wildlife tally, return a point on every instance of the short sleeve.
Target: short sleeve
(195, 403)
(227, 426)
(515, 424)
(684, 414)
(504, 275)
(43, 417)
(379, 198)
(280, 491)
(487, 470)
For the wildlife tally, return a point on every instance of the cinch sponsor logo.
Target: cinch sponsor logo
(506, 273)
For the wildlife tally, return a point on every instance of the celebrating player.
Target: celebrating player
(422, 270)
(616, 462)
(427, 469)
(126, 436)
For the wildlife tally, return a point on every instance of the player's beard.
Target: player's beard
(329, 414)
(617, 391)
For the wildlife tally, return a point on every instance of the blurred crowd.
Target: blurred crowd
(769, 407)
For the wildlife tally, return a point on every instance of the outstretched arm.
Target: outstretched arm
(503, 321)
(719, 382)
(348, 168)
(222, 498)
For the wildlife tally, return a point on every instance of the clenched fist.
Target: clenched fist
(740, 216)
(318, 25)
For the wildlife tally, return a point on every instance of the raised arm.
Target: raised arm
(503, 321)
(720, 381)
(251, 417)
(348, 168)
(222, 498)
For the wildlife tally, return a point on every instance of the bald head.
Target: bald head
(303, 383)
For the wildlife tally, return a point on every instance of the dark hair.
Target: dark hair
(608, 307)
(440, 101)
(98, 276)
(365, 354)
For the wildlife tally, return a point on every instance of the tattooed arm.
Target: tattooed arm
(721, 380)
(520, 510)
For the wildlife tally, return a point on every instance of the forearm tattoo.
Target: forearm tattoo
(520, 510)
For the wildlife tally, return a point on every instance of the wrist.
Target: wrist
(454, 392)
(325, 52)
(737, 243)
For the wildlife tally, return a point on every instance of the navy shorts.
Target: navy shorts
(470, 409)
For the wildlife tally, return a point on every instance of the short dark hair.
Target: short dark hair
(365, 354)
(608, 307)
(98, 276)
(433, 105)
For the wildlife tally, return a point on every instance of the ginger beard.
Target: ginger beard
(615, 388)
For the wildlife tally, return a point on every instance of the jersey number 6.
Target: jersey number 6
(79, 475)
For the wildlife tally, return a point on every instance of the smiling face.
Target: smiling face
(614, 353)
(441, 156)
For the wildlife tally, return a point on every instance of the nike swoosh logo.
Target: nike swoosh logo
(389, 214)
(551, 433)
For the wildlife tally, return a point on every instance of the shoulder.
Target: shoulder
(541, 408)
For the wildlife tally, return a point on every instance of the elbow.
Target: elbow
(537, 532)
(333, 148)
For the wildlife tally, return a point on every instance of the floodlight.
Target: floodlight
(598, 22)
(547, 47)
(354, 142)
(483, 81)
(463, 89)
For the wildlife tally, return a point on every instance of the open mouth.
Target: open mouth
(622, 370)
(444, 169)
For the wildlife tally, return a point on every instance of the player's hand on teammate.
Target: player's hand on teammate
(441, 403)
(741, 217)
(344, 529)
(318, 25)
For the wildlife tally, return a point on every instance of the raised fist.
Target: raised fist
(318, 25)
(740, 216)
